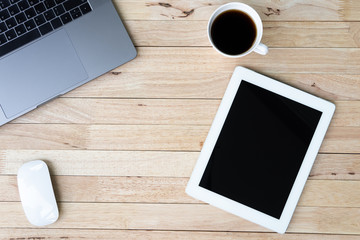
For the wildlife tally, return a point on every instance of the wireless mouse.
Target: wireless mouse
(37, 194)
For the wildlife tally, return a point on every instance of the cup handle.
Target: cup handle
(261, 49)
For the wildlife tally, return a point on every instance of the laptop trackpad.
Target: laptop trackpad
(38, 73)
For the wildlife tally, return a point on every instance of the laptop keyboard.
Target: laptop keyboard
(23, 21)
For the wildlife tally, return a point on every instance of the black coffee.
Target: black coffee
(233, 32)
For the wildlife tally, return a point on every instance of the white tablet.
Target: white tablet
(260, 149)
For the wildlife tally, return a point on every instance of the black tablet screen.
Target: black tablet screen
(260, 149)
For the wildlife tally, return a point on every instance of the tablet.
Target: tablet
(260, 149)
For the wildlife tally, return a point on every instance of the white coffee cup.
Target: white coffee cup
(257, 46)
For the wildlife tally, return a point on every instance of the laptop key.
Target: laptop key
(85, 8)
(20, 30)
(75, 13)
(3, 27)
(30, 24)
(59, 10)
(49, 3)
(20, 41)
(49, 14)
(23, 5)
(10, 35)
(39, 8)
(65, 18)
(39, 20)
(56, 23)
(10, 23)
(2, 39)
(44, 29)
(4, 15)
(20, 18)
(14, 9)
(4, 3)
(30, 13)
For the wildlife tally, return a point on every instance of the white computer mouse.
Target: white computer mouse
(37, 194)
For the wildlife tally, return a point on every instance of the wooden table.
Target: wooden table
(122, 147)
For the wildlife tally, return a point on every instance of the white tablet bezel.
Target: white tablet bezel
(193, 188)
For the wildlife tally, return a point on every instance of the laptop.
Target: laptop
(49, 47)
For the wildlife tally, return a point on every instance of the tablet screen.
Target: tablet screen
(260, 149)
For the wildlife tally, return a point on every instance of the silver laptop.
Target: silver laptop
(49, 47)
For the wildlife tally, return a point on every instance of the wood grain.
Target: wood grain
(108, 163)
(288, 10)
(153, 163)
(161, 217)
(276, 34)
(153, 111)
(212, 84)
(336, 166)
(132, 111)
(139, 137)
(317, 193)
(312, 34)
(294, 60)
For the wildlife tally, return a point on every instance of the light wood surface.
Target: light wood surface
(121, 148)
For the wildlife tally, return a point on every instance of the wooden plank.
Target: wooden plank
(331, 87)
(312, 34)
(276, 34)
(153, 111)
(288, 10)
(278, 60)
(347, 114)
(156, 85)
(95, 163)
(209, 85)
(139, 137)
(341, 140)
(329, 220)
(190, 217)
(126, 111)
(331, 193)
(79, 234)
(168, 33)
(153, 163)
(336, 166)
(104, 163)
(325, 193)
(108, 189)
